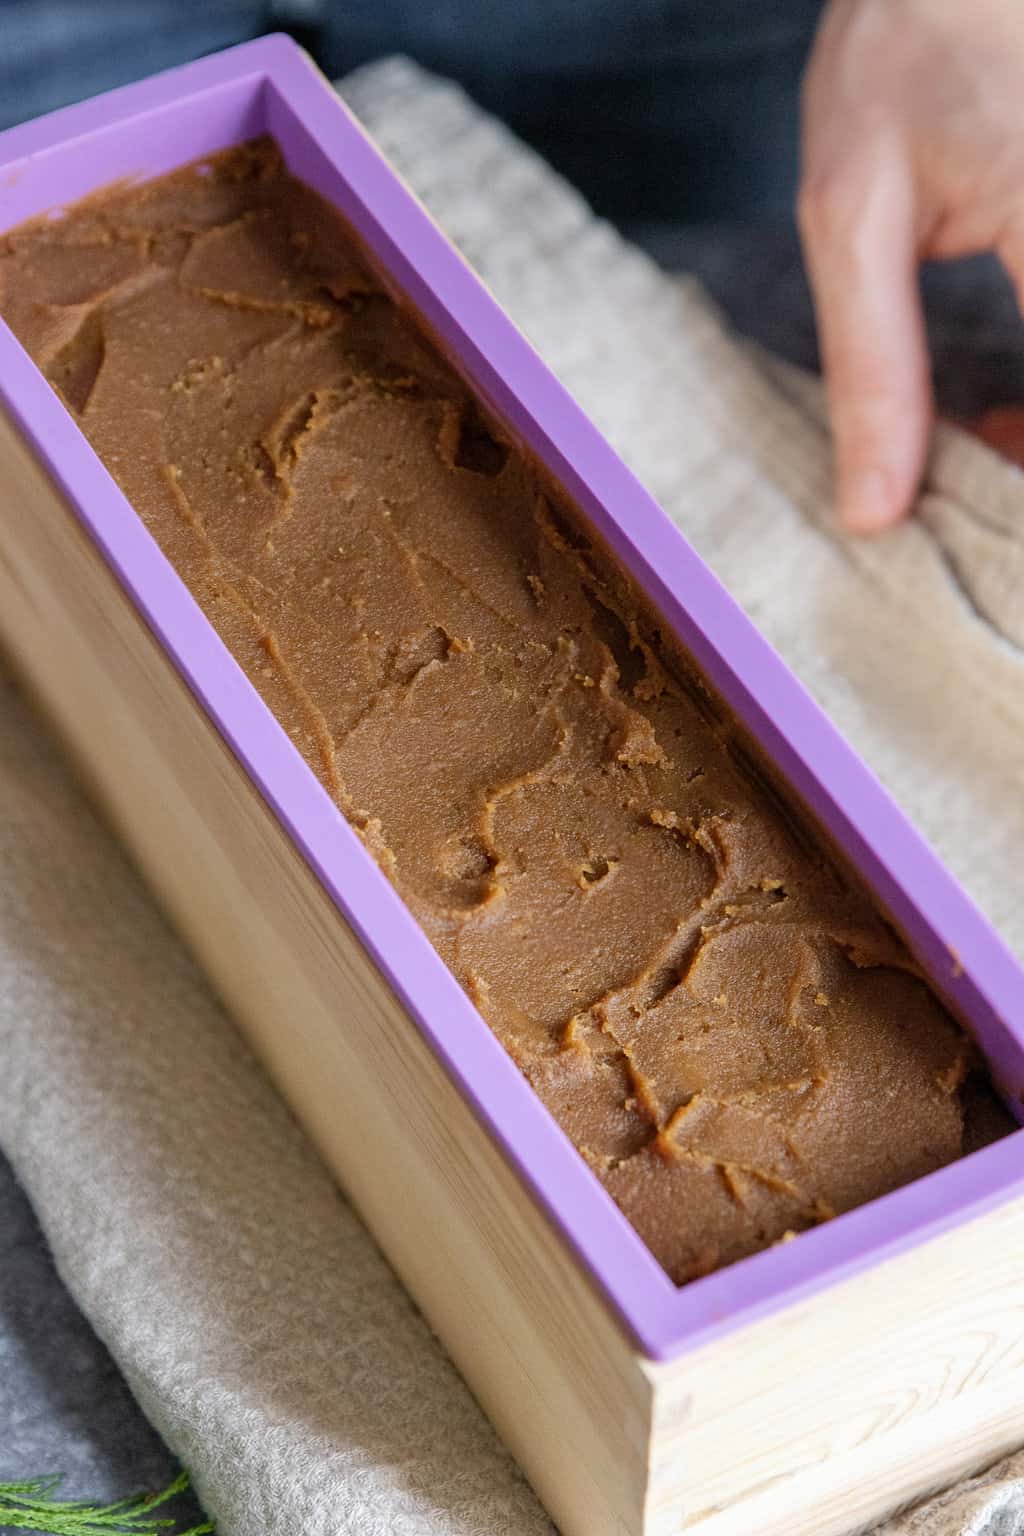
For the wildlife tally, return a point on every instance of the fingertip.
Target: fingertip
(869, 501)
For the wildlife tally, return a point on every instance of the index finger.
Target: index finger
(858, 227)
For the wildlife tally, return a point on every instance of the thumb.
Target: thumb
(858, 226)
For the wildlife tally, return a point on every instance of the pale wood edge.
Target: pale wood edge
(538, 1347)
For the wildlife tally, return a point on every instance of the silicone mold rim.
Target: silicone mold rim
(269, 86)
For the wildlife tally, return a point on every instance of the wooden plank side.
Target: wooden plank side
(538, 1347)
(819, 1420)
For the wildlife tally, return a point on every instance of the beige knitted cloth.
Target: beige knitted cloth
(253, 1318)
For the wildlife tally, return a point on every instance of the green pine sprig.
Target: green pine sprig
(31, 1507)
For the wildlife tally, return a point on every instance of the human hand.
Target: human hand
(913, 147)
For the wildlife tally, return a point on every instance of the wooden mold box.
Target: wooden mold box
(809, 1389)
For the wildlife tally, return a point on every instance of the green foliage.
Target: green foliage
(32, 1507)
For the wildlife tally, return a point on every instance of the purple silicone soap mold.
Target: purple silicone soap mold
(269, 86)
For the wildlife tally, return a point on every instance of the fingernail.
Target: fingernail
(865, 501)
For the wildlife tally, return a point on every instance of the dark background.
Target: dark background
(654, 108)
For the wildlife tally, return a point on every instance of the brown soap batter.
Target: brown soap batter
(709, 1005)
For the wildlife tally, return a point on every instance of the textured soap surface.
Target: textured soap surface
(709, 1005)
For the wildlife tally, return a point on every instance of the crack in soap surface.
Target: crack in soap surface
(697, 990)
